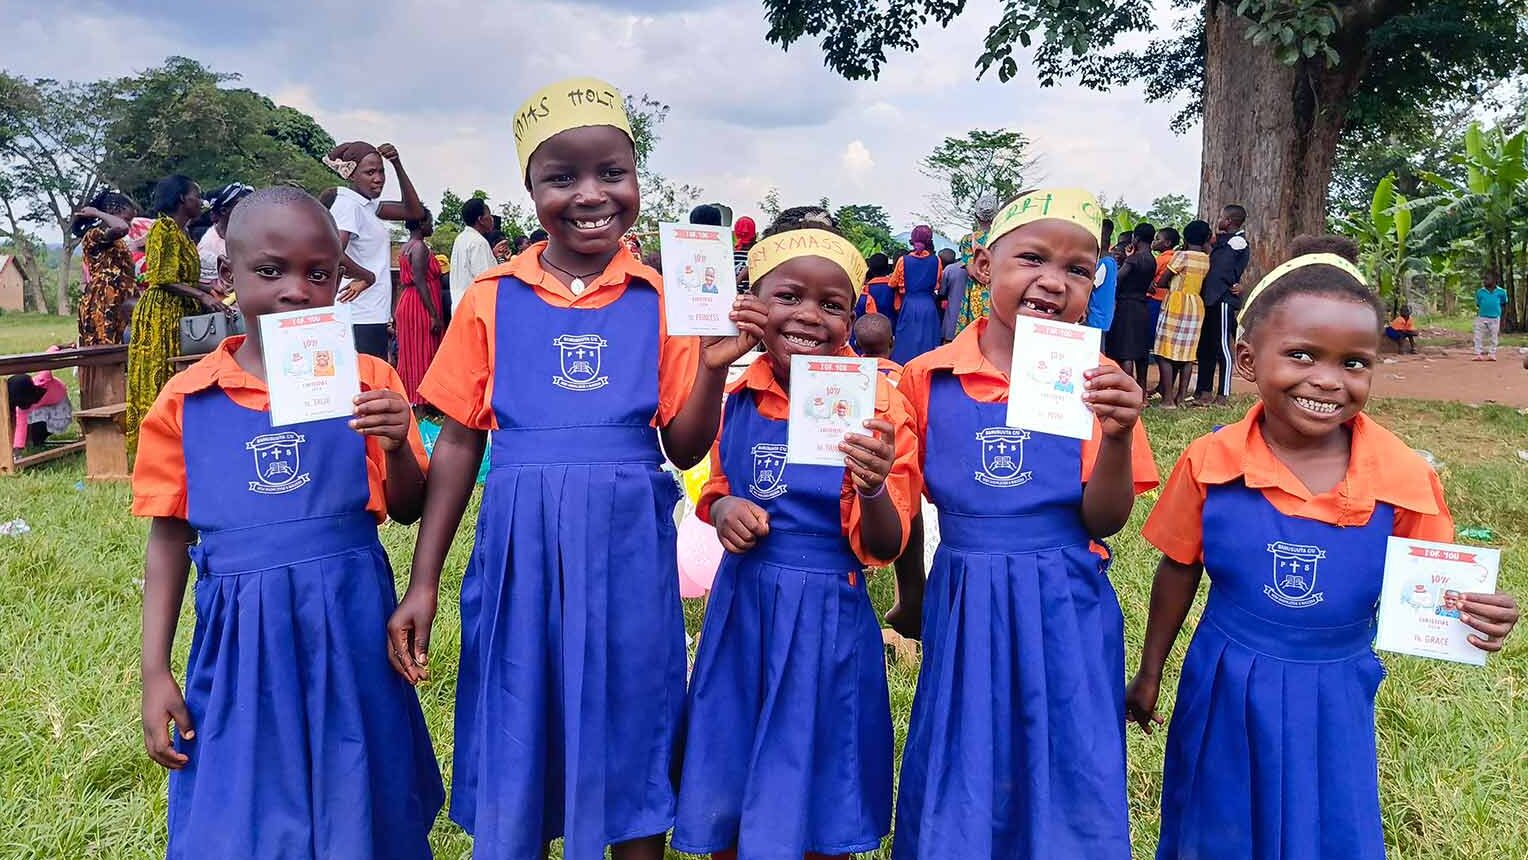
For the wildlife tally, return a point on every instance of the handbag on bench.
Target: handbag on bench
(202, 333)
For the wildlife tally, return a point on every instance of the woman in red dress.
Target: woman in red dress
(417, 316)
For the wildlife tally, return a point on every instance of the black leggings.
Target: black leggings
(1216, 341)
(371, 339)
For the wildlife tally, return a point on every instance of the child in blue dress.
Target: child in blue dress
(571, 683)
(294, 738)
(1016, 745)
(788, 748)
(916, 281)
(1271, 752)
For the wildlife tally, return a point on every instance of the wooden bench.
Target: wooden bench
(103, 396)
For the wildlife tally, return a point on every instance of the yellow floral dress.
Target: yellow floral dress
(169, 258)
(978, 294)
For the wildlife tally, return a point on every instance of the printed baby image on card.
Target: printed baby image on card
(831, 397)
(310, 364)
(699, 282)
(1045, 384)
(1424, 589)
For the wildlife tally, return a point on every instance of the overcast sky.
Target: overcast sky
(441, 80)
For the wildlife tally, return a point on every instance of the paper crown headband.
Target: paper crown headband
(768, 253)
(1300, 262)
(1061, 204)
(573, 103)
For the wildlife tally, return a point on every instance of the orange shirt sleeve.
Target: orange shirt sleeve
(678, 360)
(904, 483)
(898, 276)
(717, 486)
(377, 375)
(159, 473)
(1176, 524)
(1143, 464)
(460, 380)
(1437, 527)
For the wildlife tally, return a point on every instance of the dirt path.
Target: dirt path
(1444, 371)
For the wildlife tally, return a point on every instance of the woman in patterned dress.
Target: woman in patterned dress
(171, 272)
(109, 280)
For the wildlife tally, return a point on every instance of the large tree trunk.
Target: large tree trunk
(33, 298)
(1270, 134)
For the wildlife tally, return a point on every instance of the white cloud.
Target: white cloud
(857, 161)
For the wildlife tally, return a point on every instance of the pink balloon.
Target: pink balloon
(700, 554)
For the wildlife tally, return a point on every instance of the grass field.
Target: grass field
(75, 783)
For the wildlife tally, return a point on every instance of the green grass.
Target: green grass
(1453, 740)
(34, 332)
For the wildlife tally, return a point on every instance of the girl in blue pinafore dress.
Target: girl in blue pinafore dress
(1271, 752)
(295, 738)
(1015, 747)
(916, 279)
(571, 683)
(878, 296)
(788, 748)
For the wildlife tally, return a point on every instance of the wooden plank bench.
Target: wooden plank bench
(103, 386)
(105, 442)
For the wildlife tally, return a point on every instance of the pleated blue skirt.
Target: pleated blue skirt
(1016, 745)
(917, 329)
(308, 744)
(571, 685)
(788, 742)
(1271, 750)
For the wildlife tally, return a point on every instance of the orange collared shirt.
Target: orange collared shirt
(1381, 468)
(891, 370)
(159, 474)
(1403, 324)
(1164, 260)
(984, 383)
(460, 379)
(903, 482)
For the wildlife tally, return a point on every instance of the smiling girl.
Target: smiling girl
(1271, 752)
(1016, 747)
(789, 744)
(572, 669)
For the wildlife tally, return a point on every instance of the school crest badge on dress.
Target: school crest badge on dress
(1294, 574)
(768, 471)
(278, 463)
(1003, 457)
(580, 360)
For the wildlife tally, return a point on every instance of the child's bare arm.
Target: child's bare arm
(385, 415)
(1172, 593)
(1110, 492)
(688, 437)
(166, 567)
(453, 470)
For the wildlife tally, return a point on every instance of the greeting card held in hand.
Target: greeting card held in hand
(699, 283)
(311, 366)
(1045, 383)
(831, 397)
(1424, 587)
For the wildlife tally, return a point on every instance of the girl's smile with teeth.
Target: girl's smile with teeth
(1320, 407)
(802, 341)
(1041, 307)
(594, 224)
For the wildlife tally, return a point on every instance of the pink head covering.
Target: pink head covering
(923, 238)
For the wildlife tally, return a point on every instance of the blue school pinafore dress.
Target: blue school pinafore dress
(917, 324)
(572, 672)
(885, 296)
(1271, 750)
(788, 740)
(1016, 745)
(308, 744)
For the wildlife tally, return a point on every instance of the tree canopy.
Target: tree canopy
(980, 162)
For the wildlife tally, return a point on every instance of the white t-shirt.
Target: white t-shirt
(470, 256)
(209, 249)
(370, 246)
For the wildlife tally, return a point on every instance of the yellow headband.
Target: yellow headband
(1300, 262)
(1063, 204)
(770, 252)
(573, 103)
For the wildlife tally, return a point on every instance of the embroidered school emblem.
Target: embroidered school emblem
(1003, 457)
(768, 471)
(580, 358)
(278, 463)
(1294, 575)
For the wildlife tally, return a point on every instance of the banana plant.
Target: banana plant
(1383, 234)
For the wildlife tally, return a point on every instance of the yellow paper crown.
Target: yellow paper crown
(1062, 204)
(573, 103)
(770, 252)
(1300, 262)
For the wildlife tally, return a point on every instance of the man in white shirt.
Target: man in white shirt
(470, 253)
